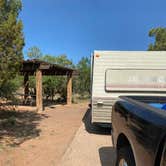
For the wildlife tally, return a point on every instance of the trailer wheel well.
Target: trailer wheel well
(159, 152)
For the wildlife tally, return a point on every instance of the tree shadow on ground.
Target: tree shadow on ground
(107, 156)
(18, 126)
(92, 128)
(53, 104)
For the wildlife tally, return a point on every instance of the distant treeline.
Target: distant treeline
(56, 85)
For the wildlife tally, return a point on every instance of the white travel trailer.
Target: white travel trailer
(118, 73)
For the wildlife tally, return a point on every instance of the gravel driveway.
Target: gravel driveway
(91, 146)
(63, 137)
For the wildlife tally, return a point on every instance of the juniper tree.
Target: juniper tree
(160, 39)
(11, 43)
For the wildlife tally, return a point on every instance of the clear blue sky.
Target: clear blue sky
(77, 27)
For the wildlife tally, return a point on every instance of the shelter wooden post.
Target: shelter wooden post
(39, 67)
(69, 89)
(39, 98)
(26, 85)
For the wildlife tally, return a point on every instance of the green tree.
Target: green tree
(82, 82)
(59, 60)
(11, 44)
(34, 53)
(160, 39)
(56, 84)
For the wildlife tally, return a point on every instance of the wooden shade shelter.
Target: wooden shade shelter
(40, 68)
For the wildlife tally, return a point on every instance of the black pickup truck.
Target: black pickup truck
(139, 130)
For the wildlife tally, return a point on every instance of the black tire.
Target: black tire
(126, 155)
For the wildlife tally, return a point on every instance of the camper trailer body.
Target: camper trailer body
(118, 73)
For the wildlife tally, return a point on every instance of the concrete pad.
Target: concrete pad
(92, 146)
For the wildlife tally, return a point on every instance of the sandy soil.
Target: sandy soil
(91, 146)
(52, 133)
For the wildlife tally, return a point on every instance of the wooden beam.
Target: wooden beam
(26, 85)
(69, 89)
(39, 97)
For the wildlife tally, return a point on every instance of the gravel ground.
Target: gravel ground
(92, 146)
(54, 133)
(64, 136)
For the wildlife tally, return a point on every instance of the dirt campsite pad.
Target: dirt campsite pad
(38, 139)
(91, 146)
(62, 135)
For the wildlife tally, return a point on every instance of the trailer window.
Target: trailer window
(135, 80)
